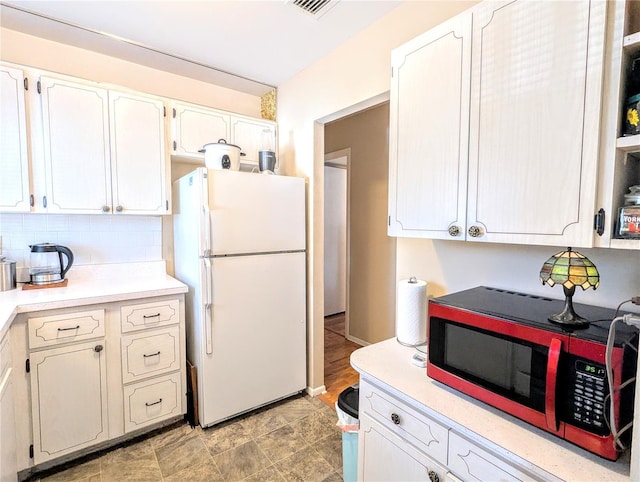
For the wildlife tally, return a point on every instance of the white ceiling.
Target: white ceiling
(260, 43)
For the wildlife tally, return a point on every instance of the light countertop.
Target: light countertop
(390, 363)
(89, 285)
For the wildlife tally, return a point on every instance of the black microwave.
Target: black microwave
(499, 347)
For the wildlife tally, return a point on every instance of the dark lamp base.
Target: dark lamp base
(569, 317)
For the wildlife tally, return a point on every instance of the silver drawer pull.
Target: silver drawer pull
(68, 329)
(395, 418)
(153, 403)
(149, 356)
(151, 316)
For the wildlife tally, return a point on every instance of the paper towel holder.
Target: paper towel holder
(413, 280)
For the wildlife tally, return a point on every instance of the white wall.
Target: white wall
(350, 77)
(372, 254)
(43, 54)
(93, 239)
(354, 76)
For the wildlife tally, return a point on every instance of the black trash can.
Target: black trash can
(347, 410)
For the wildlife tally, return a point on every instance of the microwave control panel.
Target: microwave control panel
(589, 388)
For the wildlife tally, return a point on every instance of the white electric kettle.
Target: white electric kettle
(46, 266)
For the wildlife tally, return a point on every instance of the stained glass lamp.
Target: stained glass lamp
(570, 269)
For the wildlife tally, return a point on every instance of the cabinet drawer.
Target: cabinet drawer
(149, 354)
(5, 355)
(426, 434)
(146, 315)
(65, 328)
(471, 462)
(152, 401)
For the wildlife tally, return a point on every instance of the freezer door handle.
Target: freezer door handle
(208, 315)
(206, 230)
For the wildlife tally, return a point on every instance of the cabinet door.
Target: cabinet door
(382, 456)
(252, 135)
(428, 137)
(14, 160)
(76, 148)
(535, 108)
(194, 126)
(138, 156)
(68, 399)
(8, 461)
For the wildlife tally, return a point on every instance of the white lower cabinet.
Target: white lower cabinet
(383, 456)
(68, 398)
(152, 362)
(8, 463)
(402, 439)
(68, 382)
(94, 377)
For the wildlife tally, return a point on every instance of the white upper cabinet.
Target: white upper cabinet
(429, 132)
(76, 147)
(14, 159)
(494, 122)
(139, 167)
(252, 136)
(195, 126)
(104, 150)
(535, 116)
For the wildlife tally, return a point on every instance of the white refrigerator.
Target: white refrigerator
(239, 244)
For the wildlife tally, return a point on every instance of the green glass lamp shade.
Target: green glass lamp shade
(570, 269)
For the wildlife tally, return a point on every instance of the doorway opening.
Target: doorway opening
(359, 264)
(338, 373)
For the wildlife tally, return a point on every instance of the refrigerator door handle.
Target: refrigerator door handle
(208, 306)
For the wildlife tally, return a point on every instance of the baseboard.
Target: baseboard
(357, 340)
(314, 392)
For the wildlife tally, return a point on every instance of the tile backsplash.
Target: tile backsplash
(93, 239)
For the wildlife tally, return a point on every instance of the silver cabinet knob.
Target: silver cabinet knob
(475, 231)
(106, 209)
(119, 209)
(433, 477)
(454, 231)
(395, 418)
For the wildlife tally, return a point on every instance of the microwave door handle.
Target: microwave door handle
(553, 360)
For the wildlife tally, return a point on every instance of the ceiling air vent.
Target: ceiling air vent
(316, 8)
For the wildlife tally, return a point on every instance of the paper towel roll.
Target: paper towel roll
(411, 312)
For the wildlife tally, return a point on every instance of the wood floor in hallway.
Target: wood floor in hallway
(338, 373)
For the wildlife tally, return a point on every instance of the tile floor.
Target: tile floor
(293, 440)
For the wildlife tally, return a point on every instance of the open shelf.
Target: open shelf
(629, 143)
